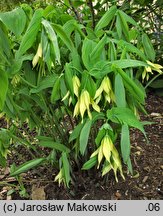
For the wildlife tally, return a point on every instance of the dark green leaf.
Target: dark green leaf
(30, 34)
(53, 38)
(90, 163)
(66, 167)
(120, 95)
(54, 145)
(125, 143)
(27, 166)
(64, 37)
(124, 116)
(45, 83)
(3, 87)
(149, 50)
(14, 20)
(84, 135)
(106, 18)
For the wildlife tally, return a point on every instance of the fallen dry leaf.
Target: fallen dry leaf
(38, 193)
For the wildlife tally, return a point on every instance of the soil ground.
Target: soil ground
(145, 184)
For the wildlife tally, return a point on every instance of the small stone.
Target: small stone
(118, 195)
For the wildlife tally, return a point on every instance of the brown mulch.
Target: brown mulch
(145, 184)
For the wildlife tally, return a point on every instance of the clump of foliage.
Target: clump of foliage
(75, 83)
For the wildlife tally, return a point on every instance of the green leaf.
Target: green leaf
(53, 38)
(125, 143)
(54, 145)
(55, 95)
(2, 160)
(157, 84)
(124, 25)
(127, 63)
(98, 49)
(66, 167)
(69, 27)
(130, 48)
(68, 77)
(148, 47)
(129, 165)
(64, 37)
(106, 18)
(87, 48)
(30, 34)
(76, 132)
(118, 26)
(112, 52)
(100, 135)
(132, 87)
(27, 166)
(14, 20)
(84, 135)
(3, 87)
(128, 19)
(45, 83)
(120, 94)
(44, 138)
(100, 69)
(90, 163)
(91, 86)
(5, 50)
(124, 116)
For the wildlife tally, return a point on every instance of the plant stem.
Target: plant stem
(92, 12)
(152, 80)
(75, 11)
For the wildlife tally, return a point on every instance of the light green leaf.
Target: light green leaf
(3, 87)
(30, 34)
(106, 18)
(120, 94)
(84, 135)
(27, 166)
(54, 145)
(125, 143)
(14, 20)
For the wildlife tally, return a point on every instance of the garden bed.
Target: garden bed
(146, 183)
